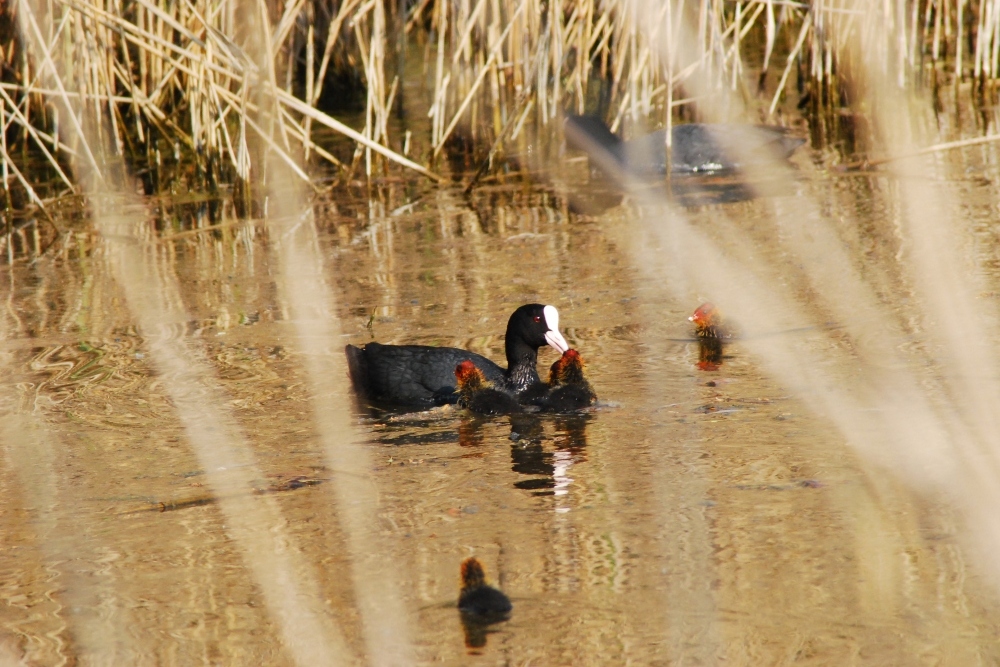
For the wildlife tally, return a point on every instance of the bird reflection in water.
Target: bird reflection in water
(470, 432)
(549, 470)
(709, 354)
(475, 634)
(528, 456)
(546, 470)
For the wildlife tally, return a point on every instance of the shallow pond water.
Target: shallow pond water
(692, 517)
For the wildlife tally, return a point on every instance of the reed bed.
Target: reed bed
(170, 84)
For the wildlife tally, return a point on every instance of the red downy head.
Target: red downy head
(568, 367)
(704, 316)
(468, 375)
(473, 575)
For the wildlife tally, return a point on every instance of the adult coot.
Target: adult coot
(477, 395)
(695, 147)
(477, 601)
(425, 375)
(568, 388)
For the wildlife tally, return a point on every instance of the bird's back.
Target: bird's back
(411, 374)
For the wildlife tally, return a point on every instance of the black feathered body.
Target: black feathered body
(695, 147)
(535, 394)
(422, 375)
(521, 376)
(412, 374)
(484, 603)
(718, 332)
(570, 397)
(489, 401)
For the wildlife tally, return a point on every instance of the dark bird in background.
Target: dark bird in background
(695, 147)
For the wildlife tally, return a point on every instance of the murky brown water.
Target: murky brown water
(693, 518)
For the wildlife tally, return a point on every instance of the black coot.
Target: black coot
(425, 375)
(695, 147)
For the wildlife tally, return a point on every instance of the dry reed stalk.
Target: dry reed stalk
(40, 141)
(297, 105)
(152, 66)
(30, 30)
(479, 79)
(179, 49)
(4, 166)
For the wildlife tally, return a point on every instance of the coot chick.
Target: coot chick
(568, 388)
(478, 396)
(712, 331)
(695, 147)
(709, 323)
(423, 375)
(477, 601)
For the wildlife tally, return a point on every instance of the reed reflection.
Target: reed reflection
(684, 191)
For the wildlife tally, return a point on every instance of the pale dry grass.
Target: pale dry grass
(172, 80)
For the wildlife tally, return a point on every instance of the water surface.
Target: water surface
(693, 517)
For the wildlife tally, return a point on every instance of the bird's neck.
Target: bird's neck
(522, 374)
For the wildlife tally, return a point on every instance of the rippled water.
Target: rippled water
(692, 518)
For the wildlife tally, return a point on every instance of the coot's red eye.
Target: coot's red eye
(538, 318)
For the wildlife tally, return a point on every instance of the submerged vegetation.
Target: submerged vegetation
(194, 93)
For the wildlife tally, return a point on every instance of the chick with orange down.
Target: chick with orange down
(477, 599)
(479, 396)
(712, 331)
(709, 323)
(480, 605)
(569, 390)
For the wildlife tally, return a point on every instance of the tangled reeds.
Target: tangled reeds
(171, 85)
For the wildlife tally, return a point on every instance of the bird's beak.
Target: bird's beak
(556, 340)
(552, 336)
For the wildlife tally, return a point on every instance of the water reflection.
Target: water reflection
(475, 633)
(548, 470)
(686, 191)
(470, 432)
(545, 460)
(709, 354)
(676, 514)
(528, 457)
